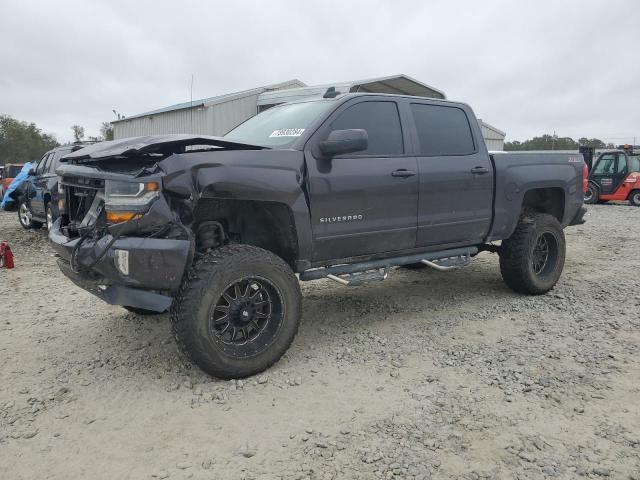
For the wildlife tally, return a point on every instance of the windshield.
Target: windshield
(279, 126)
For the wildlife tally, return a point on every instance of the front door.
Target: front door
(36, 199)
(365, 202)
(456, 177)
(610, 172)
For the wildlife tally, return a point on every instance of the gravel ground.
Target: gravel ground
(426, 375)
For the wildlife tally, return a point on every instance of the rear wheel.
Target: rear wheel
(237, 311)
(532, 259)
(634, 198)
(592, 194)
(25, 215)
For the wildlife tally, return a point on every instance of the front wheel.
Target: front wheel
(634, 198)
(592, 194)
(532, 259)
(237, 311)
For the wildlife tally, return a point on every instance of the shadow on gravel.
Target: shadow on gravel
(331, 314)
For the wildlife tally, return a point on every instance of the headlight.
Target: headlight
(130, 194)
(126, 201)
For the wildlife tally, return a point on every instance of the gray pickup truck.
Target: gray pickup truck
(345, 187)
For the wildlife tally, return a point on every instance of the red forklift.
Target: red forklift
(615, 176)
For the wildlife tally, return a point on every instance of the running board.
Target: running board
(445, 259)
(355, 279)
(446, 264)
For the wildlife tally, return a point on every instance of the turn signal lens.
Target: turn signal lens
(119, 217)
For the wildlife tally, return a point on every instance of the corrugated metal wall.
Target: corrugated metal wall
(216, 118)
(190, 120)
(492, 137)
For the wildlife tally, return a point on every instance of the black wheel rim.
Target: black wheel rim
(545, 253)
(246, 318)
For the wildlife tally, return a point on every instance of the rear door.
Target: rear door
(365, 202)
(456, 175)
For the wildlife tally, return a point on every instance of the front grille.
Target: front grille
(84, 199)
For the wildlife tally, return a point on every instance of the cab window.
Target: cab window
(606, 164)
(43, 163)
(382, 123)
(634, 161)
(622, 164)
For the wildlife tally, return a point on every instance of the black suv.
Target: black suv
(36, 198)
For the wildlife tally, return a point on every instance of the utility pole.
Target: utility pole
(553, 140)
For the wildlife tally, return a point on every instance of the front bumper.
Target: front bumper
(155, 268)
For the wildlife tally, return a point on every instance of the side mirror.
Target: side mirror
(32, 172)
(344, 141)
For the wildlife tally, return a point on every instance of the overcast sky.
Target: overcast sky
(525, 67)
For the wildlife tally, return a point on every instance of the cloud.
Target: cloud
(526, 67)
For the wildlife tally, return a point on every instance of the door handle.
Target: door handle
(403, 172)
(479, 170)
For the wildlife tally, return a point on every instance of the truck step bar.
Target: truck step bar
(354, 279)
(359, 273)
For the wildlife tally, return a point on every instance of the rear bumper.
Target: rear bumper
(155, 268)
(579, 217)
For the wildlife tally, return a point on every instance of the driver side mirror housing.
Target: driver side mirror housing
(32, 172)
(340, 142)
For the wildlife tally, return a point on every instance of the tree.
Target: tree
(553, 142)
(106, 130)
(22, 142)
(78, 133)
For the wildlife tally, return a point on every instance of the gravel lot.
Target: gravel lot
(427, 375)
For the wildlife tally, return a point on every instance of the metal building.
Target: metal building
(493, 137)
(218, 115)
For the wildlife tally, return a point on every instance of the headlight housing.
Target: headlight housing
(128, 200)
(130, 194)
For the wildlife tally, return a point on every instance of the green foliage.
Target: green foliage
(78, 133)
(106, 130)
(22, 142)
(553, 142)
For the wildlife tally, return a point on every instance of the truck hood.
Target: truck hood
(161, 145)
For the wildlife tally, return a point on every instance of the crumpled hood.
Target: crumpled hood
(149, 144)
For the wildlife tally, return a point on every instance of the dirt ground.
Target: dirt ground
(426, 375)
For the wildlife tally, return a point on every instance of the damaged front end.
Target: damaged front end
(118, 238)
(117, 235)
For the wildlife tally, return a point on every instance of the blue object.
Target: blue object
(22, 177)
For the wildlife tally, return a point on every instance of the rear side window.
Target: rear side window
(382, 123)
(635, 163)
(442, 130)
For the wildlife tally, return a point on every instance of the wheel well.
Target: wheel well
(632, 192)
(267, 225)
(545, 200)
